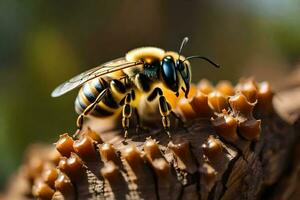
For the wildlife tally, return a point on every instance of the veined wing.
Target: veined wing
(106, 68)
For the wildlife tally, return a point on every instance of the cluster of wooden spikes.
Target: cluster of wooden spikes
(222, 129)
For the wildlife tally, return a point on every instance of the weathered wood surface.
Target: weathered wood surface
(198, 163)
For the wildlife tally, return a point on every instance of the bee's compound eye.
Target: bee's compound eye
(180, 65)
(168, 73)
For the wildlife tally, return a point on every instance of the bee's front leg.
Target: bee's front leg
(164, 109)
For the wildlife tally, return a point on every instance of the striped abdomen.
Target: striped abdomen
(89, 92)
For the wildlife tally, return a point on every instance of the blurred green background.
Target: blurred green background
(43, 43)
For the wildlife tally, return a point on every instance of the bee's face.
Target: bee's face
(173, 73)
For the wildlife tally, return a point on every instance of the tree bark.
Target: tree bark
(236, 146)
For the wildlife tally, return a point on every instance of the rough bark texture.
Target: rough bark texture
(234, 146)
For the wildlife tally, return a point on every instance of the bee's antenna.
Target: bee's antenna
(204, 58)
(183, 43)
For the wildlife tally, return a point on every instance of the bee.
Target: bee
(121, 85)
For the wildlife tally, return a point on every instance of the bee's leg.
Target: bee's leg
(126, 114)
(164, 109)
(165, 112)
(88, 110)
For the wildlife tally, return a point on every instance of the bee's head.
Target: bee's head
(176, 74)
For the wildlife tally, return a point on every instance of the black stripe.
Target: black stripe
(81, 103)
(88, 93)
(98, 84)
(102, 112)
(118, 85)
(109, 100)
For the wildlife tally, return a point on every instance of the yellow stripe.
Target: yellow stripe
(83, 97)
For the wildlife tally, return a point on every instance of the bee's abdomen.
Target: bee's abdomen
(88, 94)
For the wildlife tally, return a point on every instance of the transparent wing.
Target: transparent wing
(106, 68)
